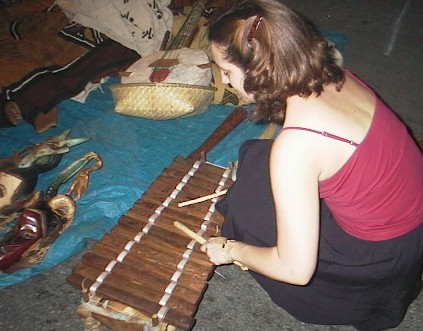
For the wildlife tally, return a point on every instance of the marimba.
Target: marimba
(145, 274)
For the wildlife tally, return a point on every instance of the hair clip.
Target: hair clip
(254, 27)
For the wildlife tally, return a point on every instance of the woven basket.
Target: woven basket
(161, 101)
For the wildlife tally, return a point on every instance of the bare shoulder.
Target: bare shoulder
(347, 114)
(296, 153)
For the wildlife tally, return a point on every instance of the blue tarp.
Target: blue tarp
(134, 152)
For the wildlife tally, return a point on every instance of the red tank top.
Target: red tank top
(378, 193)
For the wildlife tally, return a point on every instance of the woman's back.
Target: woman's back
(347, 113)
(362, 182)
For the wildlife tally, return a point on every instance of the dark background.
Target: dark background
(385, 47)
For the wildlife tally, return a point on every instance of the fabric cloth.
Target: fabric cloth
(369, 196)
(362, 283)
(30, 39)
(188, 70)
(139, 25)
(44, 88)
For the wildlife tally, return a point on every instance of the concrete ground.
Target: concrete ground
(385, 48)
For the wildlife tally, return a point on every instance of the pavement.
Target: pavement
(385, 44)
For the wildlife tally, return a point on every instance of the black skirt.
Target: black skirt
(362, 283)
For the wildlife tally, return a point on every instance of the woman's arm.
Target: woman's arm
(294, 171)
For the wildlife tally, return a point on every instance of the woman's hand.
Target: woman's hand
(218, 250)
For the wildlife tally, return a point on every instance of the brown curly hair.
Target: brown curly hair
(283, 56)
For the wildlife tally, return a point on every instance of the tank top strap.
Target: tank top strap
(323, 133)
